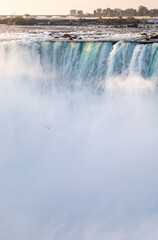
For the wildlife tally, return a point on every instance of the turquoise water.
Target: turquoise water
(81, 64)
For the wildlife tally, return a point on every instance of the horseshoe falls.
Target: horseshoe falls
(78, 140)
(78, 65)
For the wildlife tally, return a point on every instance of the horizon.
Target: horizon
(63, 8)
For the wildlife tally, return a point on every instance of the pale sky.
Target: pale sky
(63, 6)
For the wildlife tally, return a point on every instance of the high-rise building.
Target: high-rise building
(73, 12)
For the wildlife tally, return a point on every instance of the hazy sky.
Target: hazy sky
(63, 6)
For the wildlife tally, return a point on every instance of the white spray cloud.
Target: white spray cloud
(75, 165)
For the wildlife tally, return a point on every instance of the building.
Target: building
(73, 12)
(79, 12)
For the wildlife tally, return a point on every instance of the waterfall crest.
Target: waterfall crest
(79, 64)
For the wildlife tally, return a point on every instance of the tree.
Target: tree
(27, 15)
(99, 11)
(104, 12)
(130, 12)
(153, 13)
(143, 11)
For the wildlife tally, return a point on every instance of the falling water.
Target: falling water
(78, 137)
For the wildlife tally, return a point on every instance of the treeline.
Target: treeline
(130, 12)
(118, 22)
(25, 20)
(19, 21)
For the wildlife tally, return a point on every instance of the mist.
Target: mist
(75, 164)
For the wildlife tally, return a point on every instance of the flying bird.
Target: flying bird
(48, 127)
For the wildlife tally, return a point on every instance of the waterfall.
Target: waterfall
(79, 64)
(75, 164)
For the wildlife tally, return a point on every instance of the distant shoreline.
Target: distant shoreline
(116, 22)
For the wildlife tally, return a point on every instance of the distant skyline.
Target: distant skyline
(60, 7)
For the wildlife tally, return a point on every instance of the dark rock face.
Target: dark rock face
(144, 34)
(134, 25)
(70, 37)
(154, 37)
(66, 35)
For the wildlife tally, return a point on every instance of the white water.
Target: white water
(93, 174)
